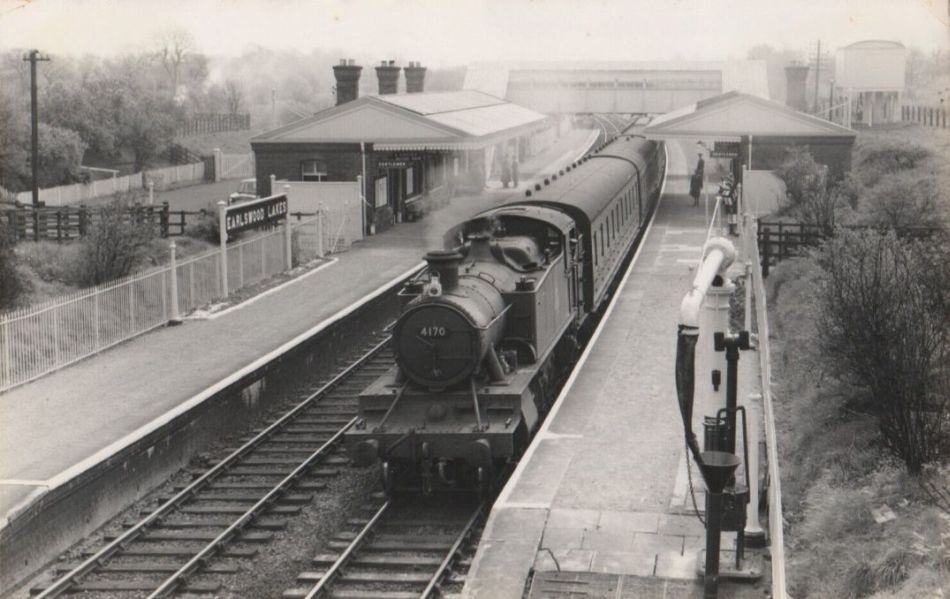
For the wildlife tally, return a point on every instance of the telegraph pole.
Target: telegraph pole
(33, 57)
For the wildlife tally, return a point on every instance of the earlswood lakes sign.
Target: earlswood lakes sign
(248, 215)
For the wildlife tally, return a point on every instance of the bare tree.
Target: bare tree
(173, 48)
(234, 95)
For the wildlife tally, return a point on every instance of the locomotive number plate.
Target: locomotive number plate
(433, 331)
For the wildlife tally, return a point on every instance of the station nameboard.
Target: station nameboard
(240, 217)
(725, 149)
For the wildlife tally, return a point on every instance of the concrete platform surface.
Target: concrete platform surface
(601, 488)
(62, 424)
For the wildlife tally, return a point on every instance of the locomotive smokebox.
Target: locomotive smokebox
(445, 263)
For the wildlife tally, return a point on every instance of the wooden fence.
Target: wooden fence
(72, 222)
(777, 240)
(214, 123)
(925, 115)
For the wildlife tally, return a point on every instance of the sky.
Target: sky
(457, 32)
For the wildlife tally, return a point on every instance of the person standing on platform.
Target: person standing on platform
(696, 181)
(505, 173)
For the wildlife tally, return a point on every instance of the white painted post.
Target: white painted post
(223, 238)
(273, 183)
(218, 164)
(175, 317)
(151, 192)
(288, 229)
(320, 223)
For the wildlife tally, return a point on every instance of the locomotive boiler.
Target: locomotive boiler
(490, 326)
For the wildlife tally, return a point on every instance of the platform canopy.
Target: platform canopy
(736, 116)
(459, 120)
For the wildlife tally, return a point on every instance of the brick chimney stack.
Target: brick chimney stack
(347, 75)
(388, 74)
(795, 76)
(415, 78)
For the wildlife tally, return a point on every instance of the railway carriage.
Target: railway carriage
(488, 328)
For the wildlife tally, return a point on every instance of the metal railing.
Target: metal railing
(39, 339)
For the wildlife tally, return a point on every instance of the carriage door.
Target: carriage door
(575, 264)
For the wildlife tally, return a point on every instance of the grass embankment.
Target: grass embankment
(857, 524)
(51, 270)
(836, 474)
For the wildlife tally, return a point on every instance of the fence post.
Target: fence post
(766, 251)
(320, 221)
(218, 164)
(288, 229)
(163, 220)
(223, 238)
(175, 317)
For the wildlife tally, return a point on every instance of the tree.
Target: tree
(173, 48)
(233, 95)
(60, 152)
(11, 283)
(885, 316)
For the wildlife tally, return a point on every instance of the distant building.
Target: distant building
(871, 74)
(623, 87)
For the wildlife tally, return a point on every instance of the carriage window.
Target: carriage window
(601, 239)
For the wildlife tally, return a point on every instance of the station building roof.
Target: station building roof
(730, 116)
(457, 120)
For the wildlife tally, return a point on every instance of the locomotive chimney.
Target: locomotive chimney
(347, 75)
(446, 264)
(388, 74)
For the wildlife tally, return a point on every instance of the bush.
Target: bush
(885, 313)
(811, 193)
(116, 242)
(882, 157)
(904, 200)
(204, 227)
(11, 283)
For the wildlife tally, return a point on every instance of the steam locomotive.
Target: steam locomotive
(487, 329)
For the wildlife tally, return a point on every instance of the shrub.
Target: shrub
(118, 240)
(882, 157)
(904, 200)
(885, 314)
(205, 227)
(11, 283)
(811, 193)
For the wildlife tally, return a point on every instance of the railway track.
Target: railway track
(236, 503)
(407, 548)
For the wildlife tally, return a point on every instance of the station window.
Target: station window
(313, 170)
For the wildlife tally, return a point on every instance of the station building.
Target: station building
(409, 150)
(622, 87)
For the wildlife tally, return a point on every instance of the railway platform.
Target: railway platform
(600, 504)
(56, 431)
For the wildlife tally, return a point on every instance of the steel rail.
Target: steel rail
(453, 551)
(169, 585)
(98, 558)
(318, 589)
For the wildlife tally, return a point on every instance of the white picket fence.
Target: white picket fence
(162, 178)
(39, 339)
(233, 166)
